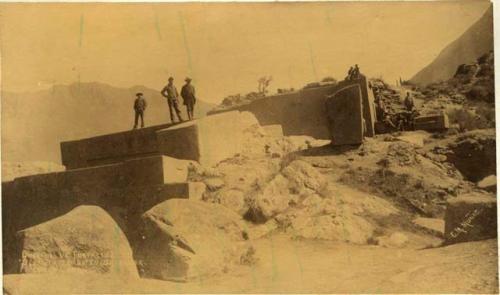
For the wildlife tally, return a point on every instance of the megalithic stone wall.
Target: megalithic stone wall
(303, 112)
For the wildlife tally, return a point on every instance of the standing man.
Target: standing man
(409, 104)
(170, 92)
(349, 74)
(355, 72)
(139, 107)
(188, 95)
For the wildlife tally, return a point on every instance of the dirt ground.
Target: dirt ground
(295, 266)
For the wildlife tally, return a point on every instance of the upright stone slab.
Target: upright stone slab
(470, 217)
(345, 117)
(368, 106)
(208, 140)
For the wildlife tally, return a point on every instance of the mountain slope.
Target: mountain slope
(33, 124)
(474, 42)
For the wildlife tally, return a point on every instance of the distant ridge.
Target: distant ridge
(34, 123)
(474, 42)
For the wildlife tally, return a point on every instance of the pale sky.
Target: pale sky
(224, 47)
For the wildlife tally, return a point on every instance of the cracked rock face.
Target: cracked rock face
(84, 239)
(187, 239)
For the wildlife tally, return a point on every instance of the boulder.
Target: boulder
(299, 179)
(489, 183)
(196, 190)
(303, 176)
(187, 239)
(233, 199)
(346, 227)
(84, 239)
(470, 217)
(214, 184)
(274, 198)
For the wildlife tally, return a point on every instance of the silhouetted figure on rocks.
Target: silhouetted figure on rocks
(188, 95)
(349, 73)
(170, 92)
(139, 107)
(408, 102)
(355, 72)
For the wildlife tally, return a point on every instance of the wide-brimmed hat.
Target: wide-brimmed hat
(187, 79)
(138, 94)
(170, 78)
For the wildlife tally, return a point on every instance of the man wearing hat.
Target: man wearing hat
(188, 95)
(170, 92)
(139, 107)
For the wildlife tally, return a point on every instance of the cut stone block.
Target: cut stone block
(489, 183)
(156, 170)
(345, 117)
(432, 122)
(368, 102)
(470, 217)
(111, 148)
(208, 140)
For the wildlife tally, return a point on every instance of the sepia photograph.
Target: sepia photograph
(344, 147)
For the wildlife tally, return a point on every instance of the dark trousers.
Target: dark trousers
(137, 115)
(173, 104)
(190, 109)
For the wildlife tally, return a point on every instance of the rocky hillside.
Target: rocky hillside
(34, 123)
(477, 40)
(468, 97)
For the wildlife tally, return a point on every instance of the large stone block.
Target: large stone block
(432, 122)
(208, 140)
(470, 217)
(111, 148)
(368, 106)
(345, 116)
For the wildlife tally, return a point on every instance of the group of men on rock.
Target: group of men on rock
(353, 73)
(398, 121)
(172, 95)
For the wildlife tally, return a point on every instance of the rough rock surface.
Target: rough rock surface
(470, 217)
(186, 239)
(85, 239)
(489, 183)
(394, 240)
